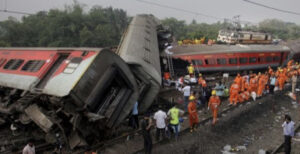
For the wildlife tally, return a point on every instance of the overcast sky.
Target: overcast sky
(216, 8)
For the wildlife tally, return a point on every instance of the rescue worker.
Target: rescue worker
(241, 97)
(261, 86)
(191, 69)
(201, 81)
(247, 95)
(238, 80)
(270, 70)
(290, 63)
(234, 92)
(253, 83)
(214, 103)
(193, 114)
(281, 79)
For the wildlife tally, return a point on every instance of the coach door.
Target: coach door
(52, 70)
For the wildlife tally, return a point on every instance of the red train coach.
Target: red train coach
(225, 58)
(74, 92)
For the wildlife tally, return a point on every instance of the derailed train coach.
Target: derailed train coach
(79, 95)
(140, 48)
(71, 93)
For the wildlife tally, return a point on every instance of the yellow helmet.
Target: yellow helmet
(213, 92)
(191, 98)
(200, 74)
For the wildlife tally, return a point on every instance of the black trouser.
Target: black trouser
(272, 89)
(160, 131)
(287, 144)
(134, 121)
(147, 143)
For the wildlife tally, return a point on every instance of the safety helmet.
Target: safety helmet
(213, 92)
(280, 70)
(200, 74)
(191, 98)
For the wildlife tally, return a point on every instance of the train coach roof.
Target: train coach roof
(55, 49)
(218, 48)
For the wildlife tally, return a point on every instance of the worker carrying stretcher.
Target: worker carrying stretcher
(213, 105)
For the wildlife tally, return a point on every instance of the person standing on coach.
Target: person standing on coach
(146, 127)
(288, 132)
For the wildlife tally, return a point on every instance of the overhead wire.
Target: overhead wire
(272, 8)
(190, 12)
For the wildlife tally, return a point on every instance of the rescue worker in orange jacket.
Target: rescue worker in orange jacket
(261, 85)
(290, 63)
(270, 70)
(281, 79)
(238, 80)
(234, 92)
(213, 104)
(247, 95)
(241, 97)
(253, 84)
(201, 81)
(193, 114)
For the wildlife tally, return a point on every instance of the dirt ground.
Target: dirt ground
(253, 125)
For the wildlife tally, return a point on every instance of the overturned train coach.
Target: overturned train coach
(77, 93)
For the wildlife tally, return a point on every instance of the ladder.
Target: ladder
(170, 65)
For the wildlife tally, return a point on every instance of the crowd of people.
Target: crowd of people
(197, 95)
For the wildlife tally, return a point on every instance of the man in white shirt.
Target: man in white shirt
(29, 148)
(288, 132)
(186, 94)
(160, 119)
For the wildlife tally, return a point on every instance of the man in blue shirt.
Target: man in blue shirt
(134, 119)
(288, 132)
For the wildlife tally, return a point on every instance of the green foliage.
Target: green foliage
(71, 27)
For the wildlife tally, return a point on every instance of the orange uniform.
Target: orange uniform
(238, 80)
(213, 104)
(253, 84)
(290, 63)
(281, 80)
(241, 98)
(261, 86)
(243, 88)
(193, 114)
(247, 95)
(202, 82)
(234, 92)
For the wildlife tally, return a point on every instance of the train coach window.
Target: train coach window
(252, 60)
(13, 64)
(221, 61)
(197, 62)
(74, 63)
(232, 60)
(33, 65)
(243, 60)
(276, 58)
(210, 61)
(269, 59)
